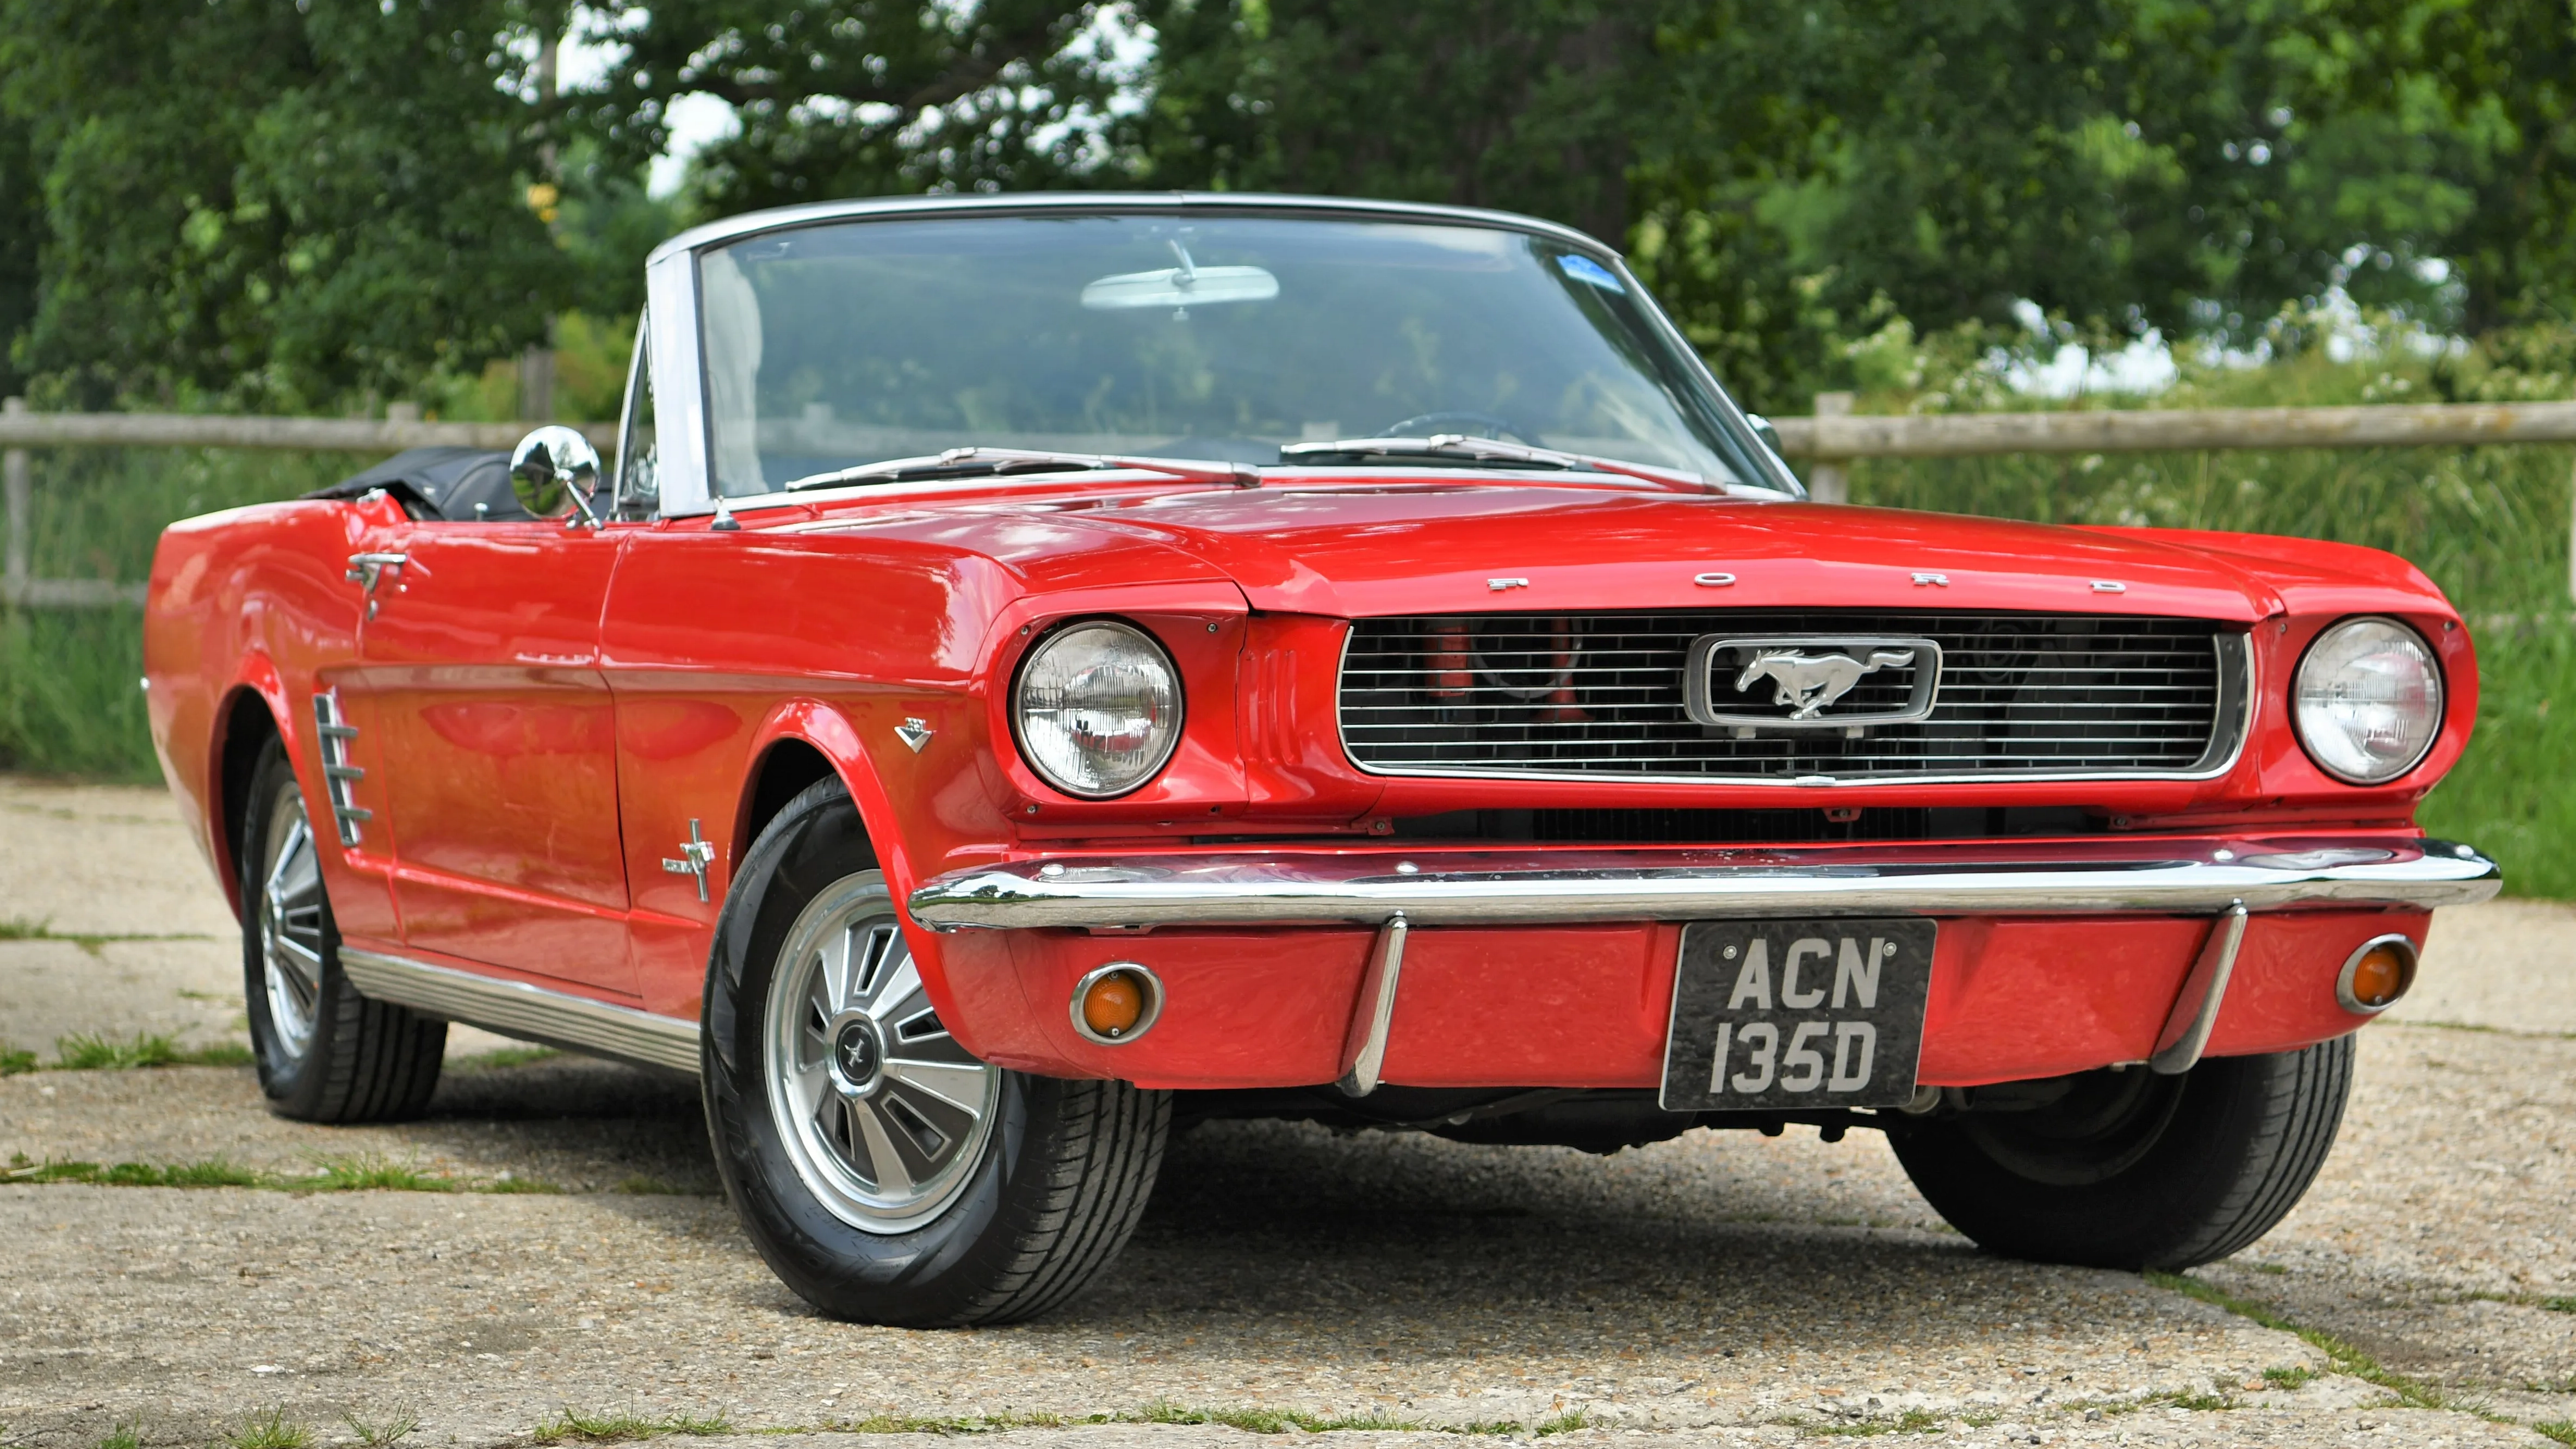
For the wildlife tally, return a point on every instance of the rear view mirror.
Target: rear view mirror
(1187, 285)
(555, 473)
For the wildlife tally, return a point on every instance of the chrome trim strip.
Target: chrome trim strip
(2224, 751)
(516, 1008)
(1365, 1048)
(1501, 887)
(2195, 1008)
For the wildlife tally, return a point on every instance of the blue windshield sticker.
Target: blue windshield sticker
(1584, 269)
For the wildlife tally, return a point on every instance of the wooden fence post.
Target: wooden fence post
(17, 482)
(1829, 481)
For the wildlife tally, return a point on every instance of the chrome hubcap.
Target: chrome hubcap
(884, 1115)
(290, 924)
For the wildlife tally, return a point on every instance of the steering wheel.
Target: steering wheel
(1484, 425)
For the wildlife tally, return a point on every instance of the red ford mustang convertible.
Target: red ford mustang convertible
(1043, 668)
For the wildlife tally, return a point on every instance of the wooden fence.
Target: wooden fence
(1828, 441)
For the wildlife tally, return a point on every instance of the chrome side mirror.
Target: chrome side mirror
(1769, 435)
(555, 473)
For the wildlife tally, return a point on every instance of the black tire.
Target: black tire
(325, 1053)
(2131, 1170)
(1043, 1199)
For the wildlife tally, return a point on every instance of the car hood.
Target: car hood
(1437, 547)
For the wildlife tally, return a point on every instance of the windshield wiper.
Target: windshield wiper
(1487, 450)
(969, 462)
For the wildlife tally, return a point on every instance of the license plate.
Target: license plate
(1791, 1014)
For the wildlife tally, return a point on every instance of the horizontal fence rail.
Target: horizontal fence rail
(2189, 430)
(313, 435)
(1829, 440)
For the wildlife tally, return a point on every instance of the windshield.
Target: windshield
(834, 347)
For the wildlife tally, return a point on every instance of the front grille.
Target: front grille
(1602, 695)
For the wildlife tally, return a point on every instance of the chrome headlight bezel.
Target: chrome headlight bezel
(2335, 755)
(1046, 759)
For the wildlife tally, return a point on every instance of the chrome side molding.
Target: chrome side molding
(1516, 887)
(533, 1013)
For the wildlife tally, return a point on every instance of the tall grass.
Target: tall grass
(2513, 794)
(69, 697)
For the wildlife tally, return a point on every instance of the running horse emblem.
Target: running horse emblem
(1809, 682)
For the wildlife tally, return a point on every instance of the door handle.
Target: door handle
(366, 570)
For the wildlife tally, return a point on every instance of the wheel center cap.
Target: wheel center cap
(855, 1055)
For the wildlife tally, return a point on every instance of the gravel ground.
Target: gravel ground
(1724, 1288)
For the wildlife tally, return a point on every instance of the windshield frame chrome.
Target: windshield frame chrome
(674, 304)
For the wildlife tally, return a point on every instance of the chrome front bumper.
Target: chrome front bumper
(1434, 886)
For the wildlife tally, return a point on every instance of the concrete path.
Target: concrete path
(1723, 1288)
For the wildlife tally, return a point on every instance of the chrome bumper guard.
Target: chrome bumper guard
(1445, 887)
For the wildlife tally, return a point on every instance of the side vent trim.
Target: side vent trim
(339, 777)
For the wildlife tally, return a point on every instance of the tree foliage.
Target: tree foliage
(863, 97)
(274, 204)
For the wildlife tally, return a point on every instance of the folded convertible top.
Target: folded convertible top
(460, 484)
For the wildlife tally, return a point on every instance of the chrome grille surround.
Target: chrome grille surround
(1600, 696)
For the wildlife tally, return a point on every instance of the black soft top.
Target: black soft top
(461, 484)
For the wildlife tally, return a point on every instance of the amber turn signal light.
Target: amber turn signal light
(2376, 975)
(1116, 1003)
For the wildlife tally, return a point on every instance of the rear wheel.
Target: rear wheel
(325, 1053)
(2133, 1170)
(886, 1174)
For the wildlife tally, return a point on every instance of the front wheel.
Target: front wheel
(886, 1174)
(325, 1053)
(2132, 1170)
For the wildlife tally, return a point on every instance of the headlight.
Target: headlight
(2368, 700)
(1098, 709)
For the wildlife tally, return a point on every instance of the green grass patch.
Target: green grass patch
(126, 1435)
(19, 928)
(575, 1426)
(2290, 1378)
(1254, 1420)
(270, 1431)
(1269, 1421)
(2343, 1355)
(2562, 1430)
(384, 1431)
(1912, 1421)
(2559, 1305)
(501, 1060)
(370, 1173)
(83, 1053)
(15, 1061)
(346, 1174)
(211, 1172)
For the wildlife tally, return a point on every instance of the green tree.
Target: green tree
(22, 226)
(276, 205)
(1525, 104)
(2438, 129)
(864, 97)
